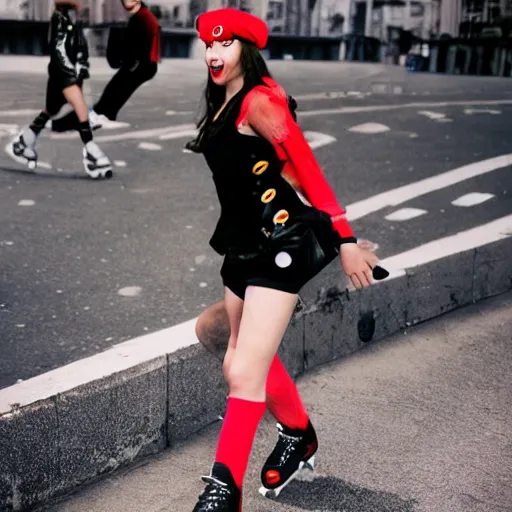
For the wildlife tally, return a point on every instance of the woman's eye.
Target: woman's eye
(227, 43)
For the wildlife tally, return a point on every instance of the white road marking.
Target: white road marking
(19, 113)
(471, 111)
(130, 291)
(27, 202)
(443, 247)
(149, 348)
(119, 163)
(472, 199)
(405, 214)
(9, 130)
(178, 134)
(402, 194)
(330, 95)
(369, 128)
(44, 165)
(179, 113)
(144, 134)
(150, 146)
(435, 116)
(389, 107)
(317, 139)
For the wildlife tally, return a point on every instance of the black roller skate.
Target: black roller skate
(23, 148)
(295, 450)
(96, 163)
(221, 493)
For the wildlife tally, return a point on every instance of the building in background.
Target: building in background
(11, 10)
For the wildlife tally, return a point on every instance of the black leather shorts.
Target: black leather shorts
(278, 271)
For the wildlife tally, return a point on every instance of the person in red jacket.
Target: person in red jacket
(138, 62)
(280, 224)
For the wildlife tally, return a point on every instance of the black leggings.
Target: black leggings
(120, 88)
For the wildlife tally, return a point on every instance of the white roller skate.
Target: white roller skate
(96, 121)
(96, 163)
(23, 148)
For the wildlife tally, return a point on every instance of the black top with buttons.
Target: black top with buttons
(253, 195)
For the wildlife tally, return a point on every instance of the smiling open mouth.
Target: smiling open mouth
(216, 70)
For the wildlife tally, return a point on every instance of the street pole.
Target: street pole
(368, 19)
(407, 15)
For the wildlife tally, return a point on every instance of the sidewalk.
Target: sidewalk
(417, 423)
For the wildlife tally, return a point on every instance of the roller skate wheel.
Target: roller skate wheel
(268, 493)
(32, 164)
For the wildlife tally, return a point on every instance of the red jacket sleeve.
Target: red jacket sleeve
(266, 110)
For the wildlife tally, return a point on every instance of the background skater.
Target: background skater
(68, 68)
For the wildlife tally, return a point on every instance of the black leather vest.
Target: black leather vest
(252, 193)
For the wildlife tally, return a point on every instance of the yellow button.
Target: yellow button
(260, 167)
(268, 195)
(281, 217)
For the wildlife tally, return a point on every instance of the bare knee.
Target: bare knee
(212, 328)
(246, 380)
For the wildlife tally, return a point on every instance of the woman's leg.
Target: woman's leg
(265, 316)
(75, 98)
(234, 308)
(283, 400)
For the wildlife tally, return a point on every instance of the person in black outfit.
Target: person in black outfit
(67, 70)
(138, 62)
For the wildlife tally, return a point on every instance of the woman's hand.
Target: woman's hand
(358, 264)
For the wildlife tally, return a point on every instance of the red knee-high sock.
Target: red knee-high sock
(283, 399)
(237, 435)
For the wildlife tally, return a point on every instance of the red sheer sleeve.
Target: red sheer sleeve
(266, 110)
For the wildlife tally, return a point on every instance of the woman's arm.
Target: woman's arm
(267, 113)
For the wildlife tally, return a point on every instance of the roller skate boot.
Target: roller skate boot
(221, 493)
(96, 163)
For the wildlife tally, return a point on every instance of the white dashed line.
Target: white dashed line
(317, 139)
(419, 188)
(405, 214)
(119, 163)
(150, 146)
(26, 202)
(203, 285)
(472, 199)
(130, 291)
(471, 111)
(44, 165)
(435, 116)
(19, 113)
(369, 128)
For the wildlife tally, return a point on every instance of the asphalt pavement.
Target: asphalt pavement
(418, 423)
(86, 265)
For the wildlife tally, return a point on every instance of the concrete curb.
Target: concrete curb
(58, 431)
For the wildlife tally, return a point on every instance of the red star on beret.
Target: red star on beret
(229, 23)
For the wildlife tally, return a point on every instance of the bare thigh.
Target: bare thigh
(266, 314)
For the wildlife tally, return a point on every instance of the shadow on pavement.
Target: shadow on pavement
(47, 174)
(329, 494)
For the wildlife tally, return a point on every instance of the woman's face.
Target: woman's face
(130, 4)
(223, 60)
